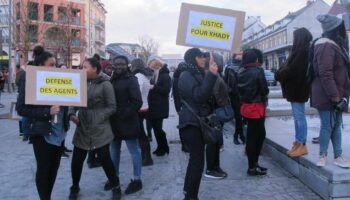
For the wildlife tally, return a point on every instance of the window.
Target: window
(5, 35)
(76, 16)
(33, 33)
(75, 37)
(48, 13)
(33, 12)
(18, 11)
(62, 15)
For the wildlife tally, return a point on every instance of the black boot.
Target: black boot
(235, 140)
(74, 192)
(109, 186)
(134, 186)
(256, 172)
(117, 193)
(147, 159)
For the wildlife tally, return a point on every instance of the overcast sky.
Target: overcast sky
(129, 19)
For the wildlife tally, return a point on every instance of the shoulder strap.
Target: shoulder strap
(190, 109)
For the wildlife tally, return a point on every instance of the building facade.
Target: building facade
(59, 25)
(276, 40)
(95, 26)
(4, 33)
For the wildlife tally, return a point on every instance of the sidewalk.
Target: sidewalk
(6, 99)
(162, 181)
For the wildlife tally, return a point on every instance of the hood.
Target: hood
(101, 78)
(164, 70)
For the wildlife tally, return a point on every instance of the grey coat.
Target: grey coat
(94, 130)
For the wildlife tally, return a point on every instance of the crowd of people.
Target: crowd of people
(122, 95)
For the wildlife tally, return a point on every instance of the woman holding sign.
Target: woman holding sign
(196, 89)
(94, 131)
(45, 135)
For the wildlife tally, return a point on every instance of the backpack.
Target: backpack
(231, 80)
(310, 67)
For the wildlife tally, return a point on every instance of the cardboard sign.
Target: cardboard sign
(210, 28)
(53, 86)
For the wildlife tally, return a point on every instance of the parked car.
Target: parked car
(270, 78)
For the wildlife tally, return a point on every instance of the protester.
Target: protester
(107, 67)
(177, 100)
(253, 93)
(331, 85)
(230, 77)
(158, 101)
(125, 122)
(221, 96)
(93, 130)
(295, 88)
(138, 68)
(46, 135)
(196, 89)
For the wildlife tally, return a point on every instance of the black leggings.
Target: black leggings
(193, 139)
(79, 156)
(143, 139)
(157, 125)
(48, 158)
(213, 156)
(256, 134)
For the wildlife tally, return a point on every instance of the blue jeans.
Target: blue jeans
(135, 151)
(330, 130)
(300, 122)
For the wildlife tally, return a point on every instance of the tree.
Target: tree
(148, 47)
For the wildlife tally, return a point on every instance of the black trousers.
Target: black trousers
(149, 128)
(79, 156)
(157, 125)
(143, 139)
(193, 139)
(256, 134)
(238, 117)
(213, 156)
(48, 158)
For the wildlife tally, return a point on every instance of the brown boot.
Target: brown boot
(293, 148)
(301, 150)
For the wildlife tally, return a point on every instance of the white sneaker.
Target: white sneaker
(322, 161)
(341, 162)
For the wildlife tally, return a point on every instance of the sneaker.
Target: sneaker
(256, 172)
(260, 168)
(64, 155)
(117, 193)
(74, 192)
(322, 161)
(134, 186)
(316, 140)
(214, 174)
(219, 170)
(341, 162)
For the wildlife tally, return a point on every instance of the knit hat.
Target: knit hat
(105, 63)
(329, 22)
(191, 54)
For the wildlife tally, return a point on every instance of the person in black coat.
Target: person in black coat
(158, 101)
(177, 100)
(196, 88)
(125, 122)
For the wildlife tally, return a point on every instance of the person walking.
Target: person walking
(230, 77)
(138, 68)
(295, 87)
(331, 85)
(125, 122)
(93, 130)
(253, 92)
(196, 89)
(45, 135)
(158, 101)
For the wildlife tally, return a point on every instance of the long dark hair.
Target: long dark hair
(94, 64)
(40, 55)
(301, 43)
(339, 36)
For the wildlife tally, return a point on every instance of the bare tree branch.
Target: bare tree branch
(148, 47)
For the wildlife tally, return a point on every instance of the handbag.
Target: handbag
(225, 113)
(210, 132)
(39, 128)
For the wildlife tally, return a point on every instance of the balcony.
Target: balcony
(100, 25)
(100, 40)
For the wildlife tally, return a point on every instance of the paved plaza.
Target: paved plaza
(162, 181)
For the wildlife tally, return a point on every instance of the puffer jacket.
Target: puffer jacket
(252, 85)
(196, 88)
(94, 130)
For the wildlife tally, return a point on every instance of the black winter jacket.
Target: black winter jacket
(125, 122)
(252, 84)
(196, 88)
(230, 77)
(35, 112)
(158, 97)
(292, 77)
(177, 101)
